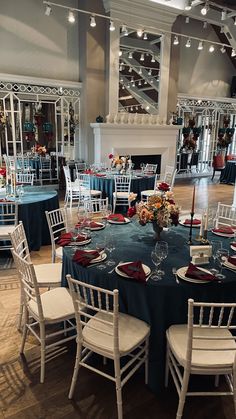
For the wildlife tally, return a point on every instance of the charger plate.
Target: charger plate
(181, 272)
(99, 259)
(126, 221)
(87, 241)
(228, 235)
(229, 265)
(146, 269)
(100, 226)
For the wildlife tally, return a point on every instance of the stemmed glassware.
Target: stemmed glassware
(161, 248)
(100, 246)
(110, 246)
(222, 256)
(216, 245)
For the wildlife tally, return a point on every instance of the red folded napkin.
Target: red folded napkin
(232, 259)
(195, 221)
(195, 273)
(93, 224)
(66, 238)
(134, 270)
(116, 217)
(100, 175)
(233, 244)
(84, 257)
(225, 230)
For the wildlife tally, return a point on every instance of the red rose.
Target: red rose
(110, 156)
(131, 212)
(2, 171)
(164, 187)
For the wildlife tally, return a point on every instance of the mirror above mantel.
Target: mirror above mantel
(139, 71)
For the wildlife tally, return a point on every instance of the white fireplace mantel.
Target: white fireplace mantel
(135, 139)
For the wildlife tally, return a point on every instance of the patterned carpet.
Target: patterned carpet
(8, 280)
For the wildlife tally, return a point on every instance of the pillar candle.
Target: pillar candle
(193, 200)
(201, 226)
(206, 220)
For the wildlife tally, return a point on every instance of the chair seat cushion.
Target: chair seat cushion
(148, 192)
(59, 252)
(56, 304)
(177, 337)
(5, 230)
(48, 274)
(121, 194)
(131, 332)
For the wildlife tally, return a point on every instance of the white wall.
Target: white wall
(33, 44)
(201, 72)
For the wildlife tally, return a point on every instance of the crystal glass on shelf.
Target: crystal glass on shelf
(221, 257)
(161, 248)
(216, 245)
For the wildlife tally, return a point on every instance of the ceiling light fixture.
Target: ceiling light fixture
(224, 14)
(223, 49)
(188, 5)
(120, 53)
(145, 37)
(112, 26)
(48, 10)
(235, 21)
(92, 21)
(222, 29)
(150, 72)
(153, 59)
(140, 33)
(71, 17)
(176, 40)
(142, 57)
(187, 19)
(211, 48)
(130, 55)
(188, 43)
(205, 9)
(233, 53)
(200, 46)
(130, 70)
(205, 24)
(140, 71)
(139, 83)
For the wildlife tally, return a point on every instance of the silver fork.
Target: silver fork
(110, 272)
(174, 272)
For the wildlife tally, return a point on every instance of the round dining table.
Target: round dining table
(158, 303)
(228, 175)
(31, 211)
(106, 184)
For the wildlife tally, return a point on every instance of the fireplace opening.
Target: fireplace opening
(147, 158)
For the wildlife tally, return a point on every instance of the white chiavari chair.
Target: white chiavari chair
(57, 224)
(72, 189)
(203, 346)
(25, 178)
(86, 193)
(8, 222)
(54, 307)
(122, 191)
(225, 216)
(45, 169)
(150, 168)
(101, 329)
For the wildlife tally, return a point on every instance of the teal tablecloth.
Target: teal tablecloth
(161, 303)
(107, 185)
(228, 175)
(32, 206)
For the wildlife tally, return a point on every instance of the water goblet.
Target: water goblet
(161, 248)
(74, 235)
(156, 260)
(216, 245)
(110, 246)
(222, 256)
(100, 247)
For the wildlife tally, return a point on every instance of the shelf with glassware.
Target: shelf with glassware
(188, 154)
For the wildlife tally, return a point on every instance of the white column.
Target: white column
(164, 77)
(113, 86)
(234, 200)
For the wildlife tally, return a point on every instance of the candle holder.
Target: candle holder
(204, 238)
(191, 230)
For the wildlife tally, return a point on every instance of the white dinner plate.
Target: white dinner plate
(100, 226)
(229, 265)
(181, 272)
(100, 258)
(87, 241)
(229, 235)
(127, 220)
(146, 269)
(182, 219)
(233, 247)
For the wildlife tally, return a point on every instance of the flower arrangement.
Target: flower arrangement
(40, 149)
(122, 163)
(3, 174)
(159, 208)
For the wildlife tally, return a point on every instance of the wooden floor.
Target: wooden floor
(21, 395)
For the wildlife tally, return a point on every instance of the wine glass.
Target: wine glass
(100, 247)
(110, 246)
(74, 235)
(216, 245)
(222, 256)
(156, 260)
(81, 215)
(161, 248)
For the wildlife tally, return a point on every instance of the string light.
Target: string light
(188, 5)
(187, 19)
(142, 57)
(188, 43)
(48, 10)
(212, 48)
(200, 46)
(71, 17)
(223, 50)
(140, 32)
(92, 22)
(176, 40)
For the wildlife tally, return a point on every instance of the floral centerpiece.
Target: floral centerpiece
(40, 149)
(121, 163)
(160, 209)
(3, 174)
